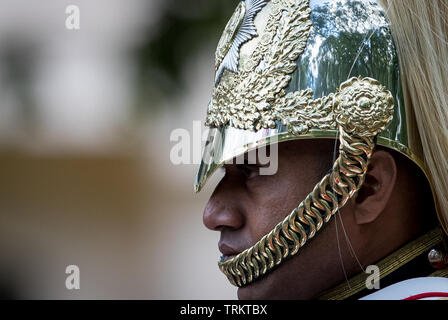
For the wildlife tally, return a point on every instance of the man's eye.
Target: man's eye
(249, 171)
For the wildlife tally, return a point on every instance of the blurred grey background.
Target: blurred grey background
(85, 171)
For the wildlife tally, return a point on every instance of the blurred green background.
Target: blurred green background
(85, 123)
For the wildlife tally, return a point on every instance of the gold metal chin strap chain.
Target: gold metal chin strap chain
(315, 211)
(361, 108)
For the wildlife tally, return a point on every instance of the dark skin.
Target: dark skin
(381, 217)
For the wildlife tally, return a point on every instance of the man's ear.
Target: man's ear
(377, 189)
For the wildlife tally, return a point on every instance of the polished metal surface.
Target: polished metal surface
(239, 30)
(351, 38)
(348, 38)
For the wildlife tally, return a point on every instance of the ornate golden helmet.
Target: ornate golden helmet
(305, 69)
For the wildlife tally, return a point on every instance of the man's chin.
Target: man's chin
(249, 293)
(275, 287)
(258, 290)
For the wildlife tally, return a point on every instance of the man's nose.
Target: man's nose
(223, 210)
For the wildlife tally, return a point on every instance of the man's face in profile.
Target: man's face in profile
(247, 205)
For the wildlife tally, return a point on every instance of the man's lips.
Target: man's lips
(227, 251)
